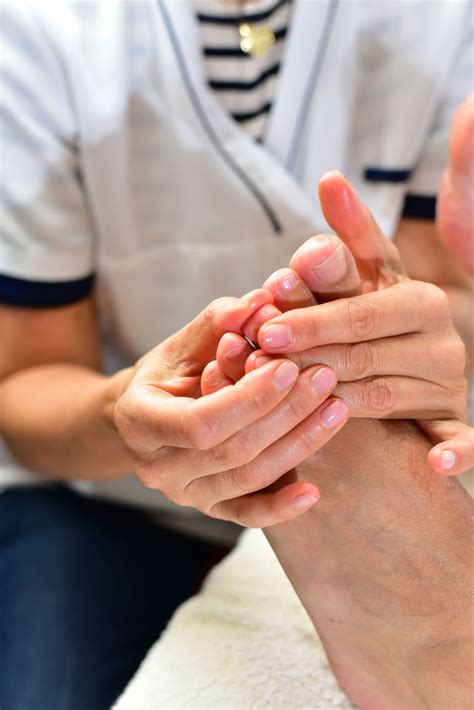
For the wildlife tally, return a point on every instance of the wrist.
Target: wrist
(113, 388)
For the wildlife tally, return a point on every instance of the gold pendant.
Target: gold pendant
(255, 41)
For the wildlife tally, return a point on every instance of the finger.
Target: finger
(234, 318)
(399, 398)
(327, 267)
(421, 355)
(454, 450)
(258, 358)
(182, 467)
(412, 306)
(198, 340)
(232, 353)
(377, 258)
(213, 379)
(253, 324)
(148, 417)
(283, 455)
(289, 290)
(260, 510)
(452, 458)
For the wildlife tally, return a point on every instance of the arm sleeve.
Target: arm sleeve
(424, 182)
(46, 240)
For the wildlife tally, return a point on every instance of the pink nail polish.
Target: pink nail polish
(332, 268)
(285, 375)
(448, 459)
(277, 336)
(333, 414)
(323, 381)
(304, 501)
(288, 283)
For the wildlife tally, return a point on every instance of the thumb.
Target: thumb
(189, 350)
(377, 258)
(455, 205)
(455, 452)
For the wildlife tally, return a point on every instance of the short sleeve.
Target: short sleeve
(46, 242)
(424, 182)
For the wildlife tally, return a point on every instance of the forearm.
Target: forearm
(58, 420)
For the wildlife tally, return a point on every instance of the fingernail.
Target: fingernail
(304, 501)
(323, 381)
(277, 336)
(236, 351)
(334, 413)
(332, 268)
(285, 375)
(288, 283)
(448, 459)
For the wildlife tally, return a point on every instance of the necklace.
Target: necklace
(255, 40)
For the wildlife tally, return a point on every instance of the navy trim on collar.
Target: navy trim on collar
(375, 174)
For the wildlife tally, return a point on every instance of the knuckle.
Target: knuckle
(243, 479)
(309, 440)
(218, 306)
(437, 303)
(254, 400)
(359, 361)
(128, 422)
(153, 468)
(361, 317)
(243, 514)
(236, 451)
(295, 408)
(216, 511)
(198, 433)
(378, 395)
(456, 354)
(459, 389)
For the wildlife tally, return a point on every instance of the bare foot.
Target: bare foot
(455, 213)
(383, 566)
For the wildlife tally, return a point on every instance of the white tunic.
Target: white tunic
(118, 161)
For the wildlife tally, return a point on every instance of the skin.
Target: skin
(53, 356)
(455, 216)
(371, 562)
(212, 452)
(390, 340)
(383, 565)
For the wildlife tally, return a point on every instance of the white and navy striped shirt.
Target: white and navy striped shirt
(244, 85)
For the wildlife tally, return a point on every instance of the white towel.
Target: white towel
(243, 642)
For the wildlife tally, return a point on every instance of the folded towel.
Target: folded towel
(243, 642)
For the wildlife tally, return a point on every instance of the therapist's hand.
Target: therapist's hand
(394, 348)
(392, 344)
(217, 452)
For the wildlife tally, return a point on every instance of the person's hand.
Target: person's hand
(216, 450)
(390, 341)
(394, 348)
(455, 204)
